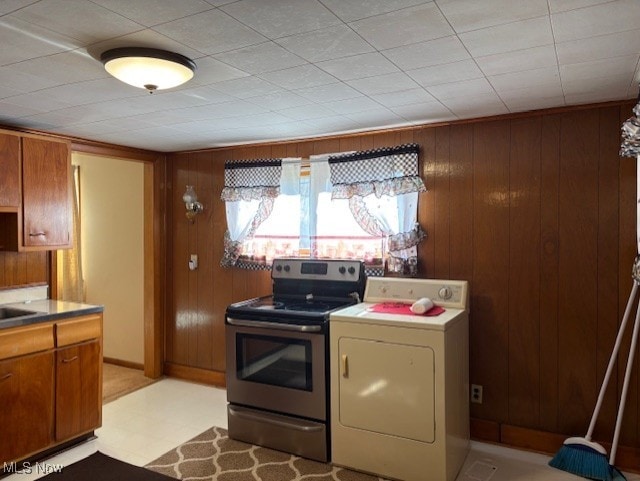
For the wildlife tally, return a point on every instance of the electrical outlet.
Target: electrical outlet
(476, 393)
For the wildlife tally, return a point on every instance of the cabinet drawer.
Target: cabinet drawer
(78, 330)
(25, 340)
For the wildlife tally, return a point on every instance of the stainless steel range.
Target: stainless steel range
(277, 355)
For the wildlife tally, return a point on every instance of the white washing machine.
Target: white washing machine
(400, 381)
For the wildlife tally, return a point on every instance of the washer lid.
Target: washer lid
(362, 313)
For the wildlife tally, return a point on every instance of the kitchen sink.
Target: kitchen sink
(11, 312)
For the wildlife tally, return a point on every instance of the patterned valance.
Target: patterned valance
(385, 171)
(251, 179)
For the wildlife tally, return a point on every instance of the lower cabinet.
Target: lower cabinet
(78, 393)
(26, 404)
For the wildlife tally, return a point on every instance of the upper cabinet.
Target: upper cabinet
(35, 193)
(10, 168)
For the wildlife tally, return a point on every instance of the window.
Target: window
(360, 205)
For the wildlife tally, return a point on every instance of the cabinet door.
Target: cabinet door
(26, 405)
(78, 390)
(46, 193)
(387, 388)
(10, 168)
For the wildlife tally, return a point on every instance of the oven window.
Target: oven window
(277, 361)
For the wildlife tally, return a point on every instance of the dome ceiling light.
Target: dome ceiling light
(148, 68)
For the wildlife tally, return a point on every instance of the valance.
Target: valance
(251, 180)
(386, 171)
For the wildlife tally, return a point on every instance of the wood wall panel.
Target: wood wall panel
(19, 269)
(537, 212)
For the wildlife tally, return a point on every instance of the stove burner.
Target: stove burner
(308, 306)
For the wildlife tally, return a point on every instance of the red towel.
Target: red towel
(404, 309)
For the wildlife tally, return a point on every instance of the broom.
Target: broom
(582, 456)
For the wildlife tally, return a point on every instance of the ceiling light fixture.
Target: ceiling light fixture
(148, 68)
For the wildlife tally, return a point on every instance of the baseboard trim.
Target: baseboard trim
(195, 374)
(627, 459)
(120, 362)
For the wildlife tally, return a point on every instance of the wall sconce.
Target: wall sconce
(191, 203)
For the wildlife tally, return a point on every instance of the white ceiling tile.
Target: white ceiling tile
(475, 106)
(279, 100)
(352, 106)
(111, 126)
(282, 17)
(210, 32)
(425, 54)
(209, 70)
(381, 84)
(527, 79)
(23, 82)
(463, 88)
(153, 12)
(523, 104)
(9, 110)
(246, 87)
(600, 19)
(67, 67)
(528, 59)
(8, 6)
(7, 91)
(424, 112)
(448, 72)
(265, 57)
(599, 68)
(21, 41)
(595, 48)
(403, 97)
(326, 44)
(358, 66)
(357, 9)
(334, 124)
(548, 91)
(299, 77)
(329, 92)
(610, 86)
(90, 91)
(376, 117)
(529, 33)
(62, 16)
(465, 15)
(564, 5)
(307, 112)
(417, 24)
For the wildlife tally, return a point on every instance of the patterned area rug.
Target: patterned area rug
(212, 456)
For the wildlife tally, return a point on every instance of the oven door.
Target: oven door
(276, 367)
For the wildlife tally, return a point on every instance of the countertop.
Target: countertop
(46, 310)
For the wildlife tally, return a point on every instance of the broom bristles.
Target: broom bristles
(582, 461)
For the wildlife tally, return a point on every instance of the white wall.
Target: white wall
(112, 210)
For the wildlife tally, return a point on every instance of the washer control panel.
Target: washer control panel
(445, 293)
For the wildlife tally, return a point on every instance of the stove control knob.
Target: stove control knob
(278, 267)
(287, 268)
(352, 270)
(445, 293)
(342, 270)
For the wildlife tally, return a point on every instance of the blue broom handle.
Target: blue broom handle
(625, 387)
(612, 359)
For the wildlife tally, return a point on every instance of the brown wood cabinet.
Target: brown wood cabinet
(10, 168)
(50, 384)
(26, 397)
(35, 194)
(78, 394)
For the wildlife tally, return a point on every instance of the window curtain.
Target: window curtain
(250, 189)
(70, 260)
(382, 187)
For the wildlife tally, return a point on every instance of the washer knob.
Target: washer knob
(342, 270)
(445, 293)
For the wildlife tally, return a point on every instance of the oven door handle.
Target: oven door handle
(264, 418)
(273, 325)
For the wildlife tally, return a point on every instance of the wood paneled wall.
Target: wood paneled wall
(536, 211)
(23, 269)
